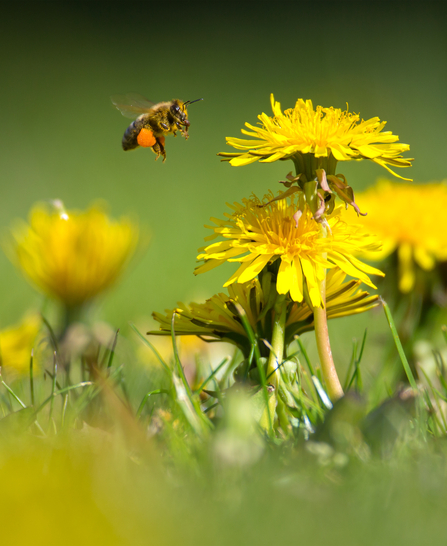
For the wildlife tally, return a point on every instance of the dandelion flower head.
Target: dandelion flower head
(329, 134)
(258, 233)
(72, 255)
(409, 219)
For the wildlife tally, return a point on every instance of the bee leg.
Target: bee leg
(165, 127)
(159, 149)
(183, 131)
(156, 150)
(163, 152)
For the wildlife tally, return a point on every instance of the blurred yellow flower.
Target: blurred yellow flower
(328, 133)
(17, 341)
(409, 219)
(219, 319)
(72, 256)
(260, 232)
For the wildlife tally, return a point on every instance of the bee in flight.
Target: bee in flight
(153, 121)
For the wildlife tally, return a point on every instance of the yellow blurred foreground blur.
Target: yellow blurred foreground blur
(84, 488)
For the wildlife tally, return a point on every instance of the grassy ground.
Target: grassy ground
(95, 467)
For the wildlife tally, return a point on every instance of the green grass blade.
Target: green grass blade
(12, 393)
(321, 392)
(254, 343)
(440, 369)
(310, 387)
(31, 377)
(146, 398)
(52, 334)
(306, 356)
(399, 347)
(206, 410)
(53, 385)
(64, 410)
(230, 368)
(444, 332)
(348, 381)
(179, 366)
(94, 389)
(362, 347)
(63, 391)
(185, 399)
(112, 350)
(355, 361)
(152, 348)
(192, 413)
(213, 373)
(435, 398)
(249, 361)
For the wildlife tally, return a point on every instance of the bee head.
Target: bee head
(178, 110)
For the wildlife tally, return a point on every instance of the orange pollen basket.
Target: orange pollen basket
(146, 138)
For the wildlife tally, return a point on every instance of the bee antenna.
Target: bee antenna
(191, 101)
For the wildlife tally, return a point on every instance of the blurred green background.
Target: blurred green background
(61, 136)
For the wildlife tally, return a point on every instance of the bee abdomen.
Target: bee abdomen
(129, 141)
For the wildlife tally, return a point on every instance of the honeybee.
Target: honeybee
(154, 121)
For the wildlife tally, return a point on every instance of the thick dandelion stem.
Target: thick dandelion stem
(278, 335)
(333, 385)
(334, 388)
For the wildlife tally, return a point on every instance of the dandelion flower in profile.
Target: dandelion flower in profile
(261, 233)
(328, 134)
(17, 341)
(71, 255)
(219, 319)
(409, 219)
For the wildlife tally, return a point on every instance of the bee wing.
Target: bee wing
(132, 104)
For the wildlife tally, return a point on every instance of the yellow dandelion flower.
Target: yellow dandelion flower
(73, 255)
(409, 220)
(259, 233)
(218, 318)
(329, 134)
(17, 341)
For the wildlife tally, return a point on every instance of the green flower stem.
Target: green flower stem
(333, 385)
(71, 314)
(278, 335)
